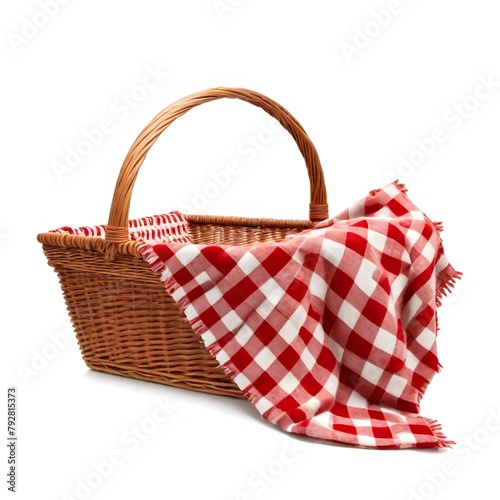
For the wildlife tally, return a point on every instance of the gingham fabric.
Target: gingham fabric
(329, 333)
(171, 227)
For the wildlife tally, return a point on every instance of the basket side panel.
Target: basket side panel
(128, 325)
(236, 234)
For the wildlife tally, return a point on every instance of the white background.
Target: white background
(363, 111)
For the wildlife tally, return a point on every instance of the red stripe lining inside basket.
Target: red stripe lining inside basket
(171, 227)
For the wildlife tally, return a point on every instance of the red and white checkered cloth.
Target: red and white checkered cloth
(171, 227)
(331, 332)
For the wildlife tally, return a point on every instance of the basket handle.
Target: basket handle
(117, 228)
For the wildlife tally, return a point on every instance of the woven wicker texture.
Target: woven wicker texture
(124, 320)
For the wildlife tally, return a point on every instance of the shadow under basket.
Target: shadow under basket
(125, 321)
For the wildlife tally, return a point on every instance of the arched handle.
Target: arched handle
(117, 228)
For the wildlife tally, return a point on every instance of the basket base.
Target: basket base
(219, 387)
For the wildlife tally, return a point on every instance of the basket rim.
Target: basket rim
(229, 220)
(96, 243)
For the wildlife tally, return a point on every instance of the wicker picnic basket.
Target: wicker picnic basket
(125, 322)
